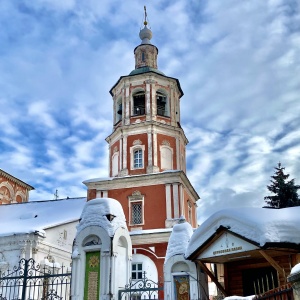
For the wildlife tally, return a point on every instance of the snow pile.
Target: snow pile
(295, 269)
(97, 212)
(179, 238)
(260, 225)
(36, 216)
(239, 298)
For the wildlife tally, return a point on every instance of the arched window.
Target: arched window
(138, 159)
(119, 110)
(139, 104)
(162, 104)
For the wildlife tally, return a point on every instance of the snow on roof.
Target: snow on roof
(260, 225)
(36, 216)
(97, 211)
(150, 231)
(179, 239)
(98, 179)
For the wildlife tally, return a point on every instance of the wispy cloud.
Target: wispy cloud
(238, 63)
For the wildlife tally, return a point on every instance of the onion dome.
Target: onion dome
(146, 35)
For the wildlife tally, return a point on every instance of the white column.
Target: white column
(147, 99)
(125, 152)
(120, 156)
(155, 148)
(104, 194)
(168, 201)
(182, 213)
(177, 154)
(109, 159)
(150, 163)
(127, 106)
(175, 200)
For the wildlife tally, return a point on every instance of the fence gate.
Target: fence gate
(30, 281)
(142, 289)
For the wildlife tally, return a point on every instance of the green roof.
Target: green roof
(145, 70)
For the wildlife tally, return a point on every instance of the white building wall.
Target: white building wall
(148, 266)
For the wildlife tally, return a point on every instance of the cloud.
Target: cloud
(237, 62)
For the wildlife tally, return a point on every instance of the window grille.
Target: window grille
(138, 159)
(136, 213)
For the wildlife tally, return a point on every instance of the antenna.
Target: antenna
(56, 195)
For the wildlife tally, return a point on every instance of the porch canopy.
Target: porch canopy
(242, 238)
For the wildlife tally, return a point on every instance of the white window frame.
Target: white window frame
(132, 151)
(133, 200)
(136, 271)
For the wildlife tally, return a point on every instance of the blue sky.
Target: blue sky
(238, 63)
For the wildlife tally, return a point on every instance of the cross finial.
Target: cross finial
(145, 21)
(56, 195)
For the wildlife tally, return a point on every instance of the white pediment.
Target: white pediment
(227, 244)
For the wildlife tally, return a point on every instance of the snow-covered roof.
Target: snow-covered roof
(260, 225)
(36, 216)
(97, 211)
(179, 239)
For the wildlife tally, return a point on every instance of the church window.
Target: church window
(138, 159)
(139, 104)
(137, 155)
(143, 56)
(137, 212)
(137, 271)
(162, 104)
(119, 110)
(136, 208)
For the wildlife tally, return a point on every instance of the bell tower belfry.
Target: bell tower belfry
(147, 155)
(147, 136)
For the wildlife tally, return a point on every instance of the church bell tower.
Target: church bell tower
(147, 156)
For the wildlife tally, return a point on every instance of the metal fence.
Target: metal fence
(142, 289)
(282, 293)
(31, 281)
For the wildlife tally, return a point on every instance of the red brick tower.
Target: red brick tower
(147, 159)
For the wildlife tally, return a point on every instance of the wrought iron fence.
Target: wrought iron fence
(31, 281)
(281, 293)
(142, 289)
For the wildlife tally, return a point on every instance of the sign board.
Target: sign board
(227, 244)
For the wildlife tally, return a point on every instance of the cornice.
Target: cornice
(146, 76)
(150, 238)
(144, 127)
(16, 180)
(166, 177)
